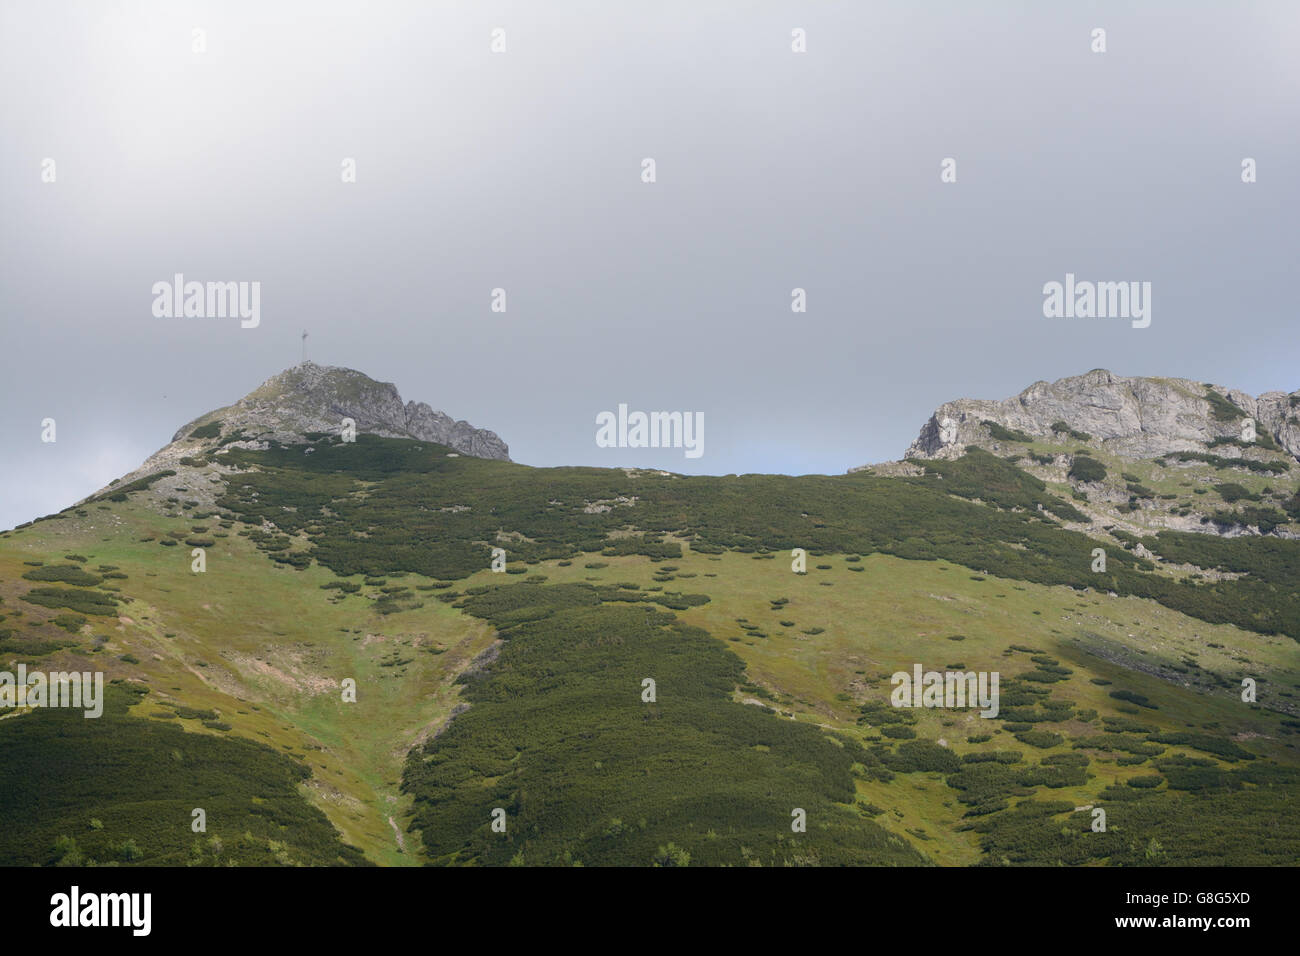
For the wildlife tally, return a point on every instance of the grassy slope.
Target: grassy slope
(265, 646)
(896, 613)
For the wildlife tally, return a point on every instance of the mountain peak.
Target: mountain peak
(310, 398)
(316, 398)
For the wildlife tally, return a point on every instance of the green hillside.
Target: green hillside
(523, 691)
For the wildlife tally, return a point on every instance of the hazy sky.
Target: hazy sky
(522, 170)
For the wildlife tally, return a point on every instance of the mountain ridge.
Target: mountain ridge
(1153, 425)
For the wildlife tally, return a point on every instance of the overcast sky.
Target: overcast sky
(522, 170)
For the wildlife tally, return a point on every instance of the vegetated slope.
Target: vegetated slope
(371, 507)
(560, 736)
(119, 789)
(249, 649)
(394, 521)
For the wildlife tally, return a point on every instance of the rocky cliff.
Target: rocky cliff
(1131, 417)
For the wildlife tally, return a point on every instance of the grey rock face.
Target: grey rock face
(1134, 417)
(428, 425)
(315, 398)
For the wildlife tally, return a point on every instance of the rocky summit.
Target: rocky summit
(316, 398)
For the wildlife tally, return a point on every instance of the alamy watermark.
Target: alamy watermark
(179, 299)
(651, 430)
(1098, 300)
(946, 689)
(74, 908)
(56, 689)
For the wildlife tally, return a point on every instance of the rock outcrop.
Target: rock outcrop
(1141, 455)
(1132, 417)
